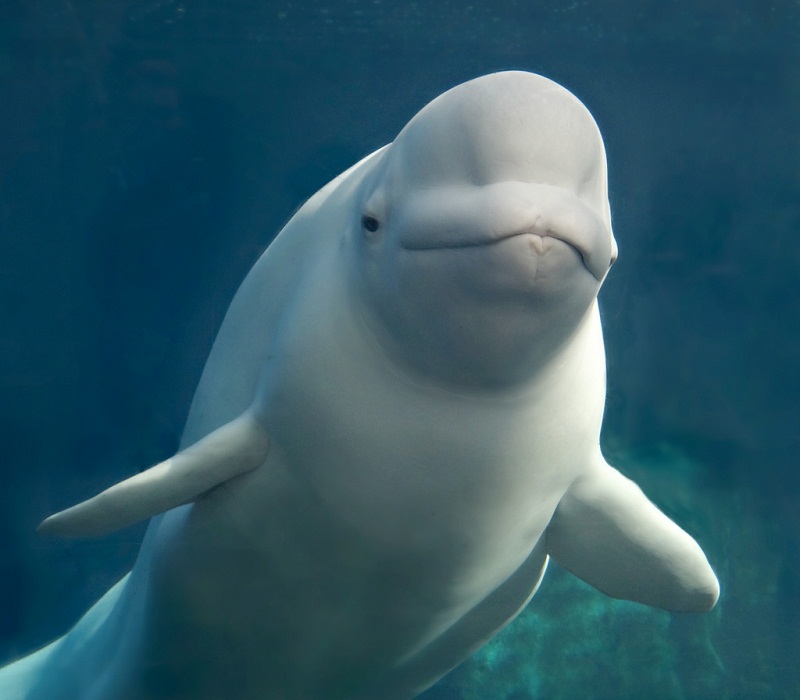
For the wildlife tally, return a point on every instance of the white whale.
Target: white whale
(397, 425)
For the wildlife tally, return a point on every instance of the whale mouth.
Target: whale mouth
(478, 243)
(541, 242)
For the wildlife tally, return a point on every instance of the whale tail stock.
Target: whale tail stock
(233, 449)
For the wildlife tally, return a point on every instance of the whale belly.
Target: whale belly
(298, 601)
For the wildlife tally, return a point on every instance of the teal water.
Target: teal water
(141, 133)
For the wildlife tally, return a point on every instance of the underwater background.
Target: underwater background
(150, 150)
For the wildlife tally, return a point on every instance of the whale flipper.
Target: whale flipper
(606, 532)
(237, 447)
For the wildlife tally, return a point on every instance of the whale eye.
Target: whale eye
(369, 223)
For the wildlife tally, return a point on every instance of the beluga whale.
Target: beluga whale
(396, 428)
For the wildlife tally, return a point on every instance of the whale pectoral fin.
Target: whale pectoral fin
(606, 532)
(235, 448)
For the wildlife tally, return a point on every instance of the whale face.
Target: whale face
(483, 235)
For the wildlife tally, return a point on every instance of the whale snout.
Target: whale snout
(474, 217)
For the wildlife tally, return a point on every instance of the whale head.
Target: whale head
(483, 231)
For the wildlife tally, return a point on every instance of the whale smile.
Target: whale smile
(537, 238)
(540, 242)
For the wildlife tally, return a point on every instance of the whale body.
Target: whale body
(397, 426)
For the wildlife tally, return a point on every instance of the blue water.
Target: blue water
(150, 150)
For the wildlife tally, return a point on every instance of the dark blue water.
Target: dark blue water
(149, 150)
